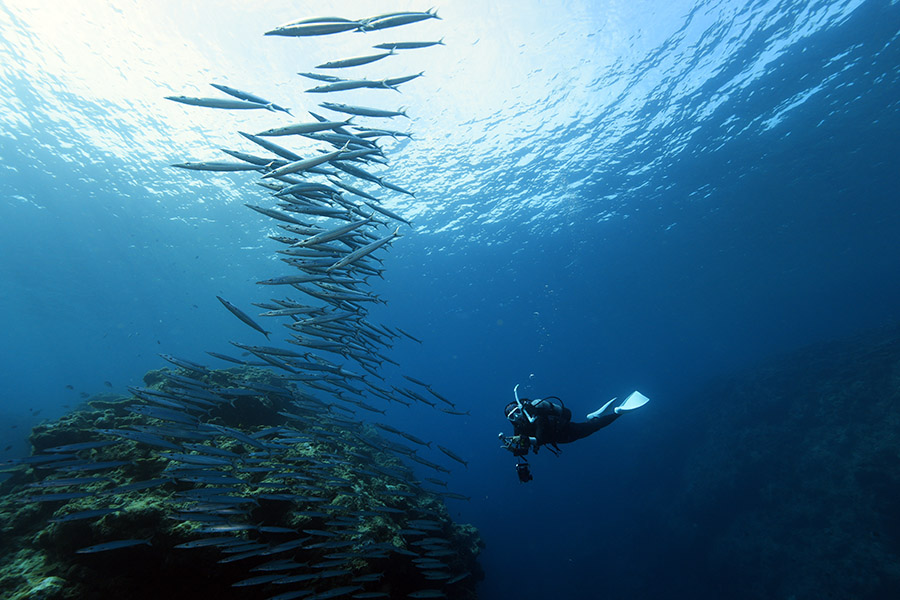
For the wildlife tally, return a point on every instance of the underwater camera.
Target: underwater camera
(524, 472)
(517, 444)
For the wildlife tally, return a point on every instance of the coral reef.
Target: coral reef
(225, 484)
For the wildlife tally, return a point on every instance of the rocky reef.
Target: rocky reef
(224, 484)
(791, 487)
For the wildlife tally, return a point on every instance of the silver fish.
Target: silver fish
(302, 128)
(396, 19)
(310, 28)
(387, 213)
(220, 103)
(248, 97)
(363, 111)
(333, 234)
(452, 455)
(304, 164)
(217, 166)
(321, 77)
(242, 315)
(116, 545)
(395, 81)
(353, 62)
(350, 84)
(407, 45)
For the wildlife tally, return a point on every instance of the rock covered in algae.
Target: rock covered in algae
(226, 484)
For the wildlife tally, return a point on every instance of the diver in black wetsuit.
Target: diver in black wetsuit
(548, 423)
(541, 422)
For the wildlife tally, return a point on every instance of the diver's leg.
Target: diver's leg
(577, 431)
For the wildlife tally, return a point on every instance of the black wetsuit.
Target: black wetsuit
(553, 423)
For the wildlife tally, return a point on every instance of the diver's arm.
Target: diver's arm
(518, 444)
(521, 431)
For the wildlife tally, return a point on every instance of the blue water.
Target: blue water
(609, 196)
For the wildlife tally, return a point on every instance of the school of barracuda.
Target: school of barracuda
(228, 482)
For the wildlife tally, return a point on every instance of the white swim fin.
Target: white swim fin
(606, 409)
(635, 400)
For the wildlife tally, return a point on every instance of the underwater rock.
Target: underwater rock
(226, 484)
(799, 475)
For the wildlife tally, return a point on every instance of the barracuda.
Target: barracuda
(225, 103)
(354, 62)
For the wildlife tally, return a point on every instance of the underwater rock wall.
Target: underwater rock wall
(226, 484)
(792, 489)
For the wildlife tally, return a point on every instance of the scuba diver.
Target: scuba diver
(541, 422)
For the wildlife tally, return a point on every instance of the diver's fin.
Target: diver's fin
(635, 400)
(604, 410)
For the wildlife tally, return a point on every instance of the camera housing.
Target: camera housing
(524, 472)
